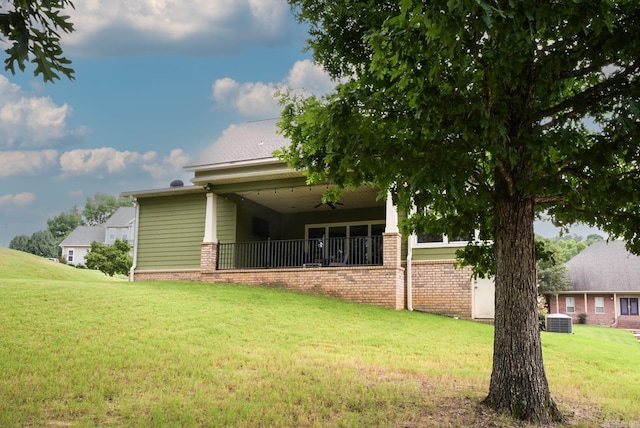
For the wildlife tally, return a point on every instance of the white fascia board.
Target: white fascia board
(246, 163)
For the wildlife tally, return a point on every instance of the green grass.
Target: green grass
(80, 349)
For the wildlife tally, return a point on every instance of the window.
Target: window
(70, 256)
(599, 305)
(348, 243)
(112, 234)
(571, 304)
(629, 306)
(432, 239)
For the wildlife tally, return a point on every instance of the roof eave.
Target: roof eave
(162, 192)
(235, 164)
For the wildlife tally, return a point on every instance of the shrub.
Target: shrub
(582, 318)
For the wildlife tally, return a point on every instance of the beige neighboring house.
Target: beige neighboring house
(250, 219)
(119, 226)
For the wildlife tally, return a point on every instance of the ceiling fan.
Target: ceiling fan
(330, 204)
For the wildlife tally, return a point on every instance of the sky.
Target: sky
(156, 83)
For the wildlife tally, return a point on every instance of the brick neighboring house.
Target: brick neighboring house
(249, 218)
(605, 280)
(120, 225)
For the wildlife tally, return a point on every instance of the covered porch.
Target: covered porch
(284, 236)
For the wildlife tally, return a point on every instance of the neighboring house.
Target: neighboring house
(76, 246)
(251, 219)
(119, 226)
(605, 280)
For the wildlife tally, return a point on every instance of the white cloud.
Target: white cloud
(169, 166)
(258, 99)
(109, 161)
(26, 162)
(31, 122)
(125, 27)
(19, 200)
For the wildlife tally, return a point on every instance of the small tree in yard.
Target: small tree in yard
(480, 115)
(110, 259)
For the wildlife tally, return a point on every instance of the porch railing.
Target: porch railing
(352, 251)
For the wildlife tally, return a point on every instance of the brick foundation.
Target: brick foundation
(373, 285)
(439, 287)
(168, 275)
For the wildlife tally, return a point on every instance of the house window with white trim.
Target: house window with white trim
(571, 304)
(599, 305)
(70, 255)
(432, 239)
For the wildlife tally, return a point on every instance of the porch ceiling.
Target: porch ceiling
(301, 199)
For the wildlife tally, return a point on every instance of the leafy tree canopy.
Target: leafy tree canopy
(44, 244)
(19, 243)
(110, 259)
(63, 224)
(99, 208)
(481, 114)
(32, 29)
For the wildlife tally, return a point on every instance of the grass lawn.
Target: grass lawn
(81, 349)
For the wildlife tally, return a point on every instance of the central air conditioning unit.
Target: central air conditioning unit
(559, 323)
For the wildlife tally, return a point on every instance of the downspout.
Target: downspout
(135, 240)
(616, 310)
(409, 278)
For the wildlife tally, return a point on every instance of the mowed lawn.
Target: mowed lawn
(80, 349)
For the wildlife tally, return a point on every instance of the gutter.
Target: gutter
(135, 240)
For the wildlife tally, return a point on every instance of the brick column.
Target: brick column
(391, 245)
(208, 256)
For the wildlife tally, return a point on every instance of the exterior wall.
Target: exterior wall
(444, 252)
(79, 254)
(559, 305)
(170, 232)
(293, 225)
(226, 220)
(375, 285)
(439, 287)
(168, 275)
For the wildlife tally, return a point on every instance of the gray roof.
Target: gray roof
(84, 236)
(121, 217)
(605, 266)
(244, 142)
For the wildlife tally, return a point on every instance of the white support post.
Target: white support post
(210, 224)
(391, 216)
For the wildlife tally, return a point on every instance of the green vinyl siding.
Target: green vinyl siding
(170, 232)
(435, 253)
(226, 221)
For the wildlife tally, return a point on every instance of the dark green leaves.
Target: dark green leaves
(33, 28)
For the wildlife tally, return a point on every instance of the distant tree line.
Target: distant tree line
(46, 242)
(553, 254)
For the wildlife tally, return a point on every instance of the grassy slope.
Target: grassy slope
(80, 348)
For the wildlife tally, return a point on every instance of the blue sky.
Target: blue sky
(157, 81)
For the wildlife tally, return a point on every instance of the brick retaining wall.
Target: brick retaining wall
(439, 287)
(375, 285)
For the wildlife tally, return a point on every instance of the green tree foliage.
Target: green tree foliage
(98, 209)
(110, 259)
(20, 243)
(32, 30)
(43, 243)
(63, 224)
(475, 114)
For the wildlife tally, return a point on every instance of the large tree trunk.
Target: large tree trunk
(518, 382)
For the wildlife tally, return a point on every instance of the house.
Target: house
(119, 226)
(248, 218)
(78, 243)
(605, 281)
